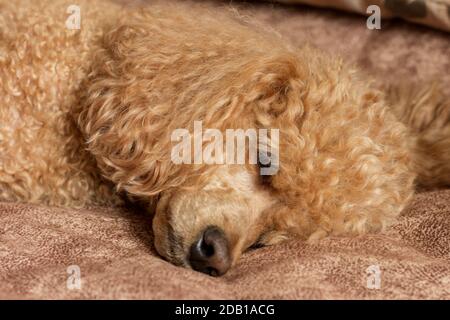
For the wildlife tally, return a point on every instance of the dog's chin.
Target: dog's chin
(168, 243)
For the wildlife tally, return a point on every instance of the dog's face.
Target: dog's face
(129, 108)
(205, 226)
(207, 229)
(136, 96)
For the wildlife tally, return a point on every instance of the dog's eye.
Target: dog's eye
(259, 243)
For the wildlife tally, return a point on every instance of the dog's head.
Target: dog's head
(159, 72)
(134, 100)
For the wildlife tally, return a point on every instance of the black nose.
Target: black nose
(210, 253)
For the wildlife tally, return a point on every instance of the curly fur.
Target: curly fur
(87, 115)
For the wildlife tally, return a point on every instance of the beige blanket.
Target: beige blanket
(107, 253)
(113, 250)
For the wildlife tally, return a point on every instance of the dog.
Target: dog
(87, 114)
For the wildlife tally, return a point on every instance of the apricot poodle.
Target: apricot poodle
(87, 116)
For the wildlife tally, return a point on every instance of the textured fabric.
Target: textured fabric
(113, 250)
(434, 13)
(113, 247)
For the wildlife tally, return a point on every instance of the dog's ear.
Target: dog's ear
(122, 132)
(138, 91)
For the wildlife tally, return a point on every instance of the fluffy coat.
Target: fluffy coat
(86, 117)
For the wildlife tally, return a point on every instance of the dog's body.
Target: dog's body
(43, 157)
(86, 113)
